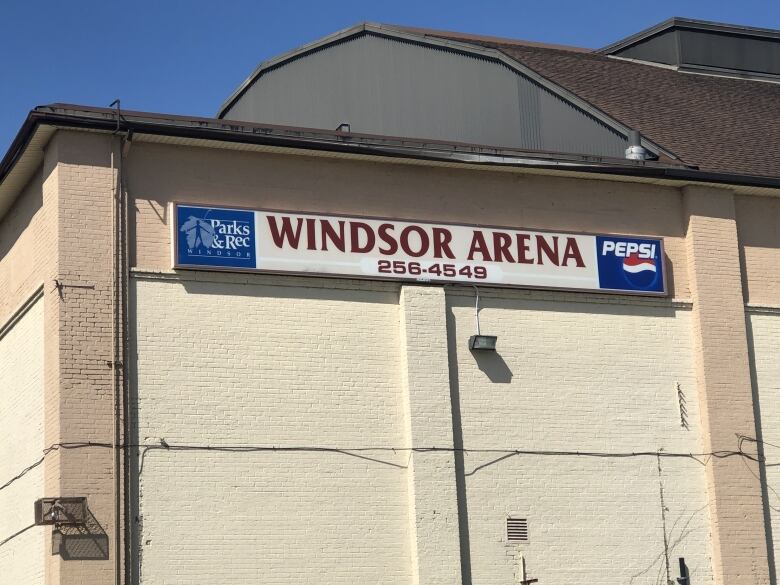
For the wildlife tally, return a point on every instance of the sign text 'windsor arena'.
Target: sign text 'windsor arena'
(279, 242)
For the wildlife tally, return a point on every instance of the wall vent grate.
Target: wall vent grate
(517, 529)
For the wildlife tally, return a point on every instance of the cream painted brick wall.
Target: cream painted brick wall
(225, 363)
(765, 335)
(432, 482)
(579, 376)
(21, 442)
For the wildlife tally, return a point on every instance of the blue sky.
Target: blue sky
(186, 57)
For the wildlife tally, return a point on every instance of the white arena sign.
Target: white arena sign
(357, 247)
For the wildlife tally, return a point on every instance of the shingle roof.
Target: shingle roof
(717, 123)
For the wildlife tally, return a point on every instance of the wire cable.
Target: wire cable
(15, 534)
(46, 452)
(701, 458)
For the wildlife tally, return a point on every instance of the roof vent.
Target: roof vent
(635, 150)
(517, 530)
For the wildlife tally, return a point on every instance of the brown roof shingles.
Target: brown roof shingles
(717, 123)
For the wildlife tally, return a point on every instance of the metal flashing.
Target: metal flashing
(692, 24)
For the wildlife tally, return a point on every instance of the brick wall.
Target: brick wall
(433, 486)
(724, 387)
(764, 327)
(82, 399)
(28, 264)
(21, 443)
(159, 174)
(263, 362)
(206, 377)
(398, 516)
(758, 220)
(571, 375)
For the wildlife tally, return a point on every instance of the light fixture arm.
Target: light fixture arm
(476, 308)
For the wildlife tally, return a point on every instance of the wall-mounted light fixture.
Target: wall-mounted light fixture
(60, 511)
(481, 342)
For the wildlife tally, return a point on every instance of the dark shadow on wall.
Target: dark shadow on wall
(81, 542)
(493, 365)
(761, 456)
(553, 301)
(21, 214)
(762, 215)
(457, 440)
(132, 461)
(288, 287)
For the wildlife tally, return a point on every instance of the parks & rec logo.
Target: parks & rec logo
(210, 236)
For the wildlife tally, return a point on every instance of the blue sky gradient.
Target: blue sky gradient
(186, 57)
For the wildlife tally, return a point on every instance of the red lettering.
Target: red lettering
(328, 233)
(387, 238)
(501, 243)
(441, 243)
(286, 232)
(478, 245)
(310, 238)
(523, 249)
(572, 251)
(424, 242)
(355, 227)
(542, 247)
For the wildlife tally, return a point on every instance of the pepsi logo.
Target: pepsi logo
(634, 264)
(626, 249)
(630, 264)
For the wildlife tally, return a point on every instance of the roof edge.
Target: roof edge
(19, 143)
(471, 37)
(288, 56)
(688, 23)
(104, 119)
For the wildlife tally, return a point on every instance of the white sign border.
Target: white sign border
(173, 207)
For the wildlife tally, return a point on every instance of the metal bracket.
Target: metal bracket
(60, 511)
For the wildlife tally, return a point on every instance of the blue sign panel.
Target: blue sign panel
(208, 236)
(630, 264)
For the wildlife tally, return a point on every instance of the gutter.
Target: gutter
(102, 119)
(19, 144)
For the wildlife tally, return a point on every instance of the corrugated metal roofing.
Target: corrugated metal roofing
(715, 123)
(394, 87)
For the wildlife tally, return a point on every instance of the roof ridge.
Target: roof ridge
(472, 38)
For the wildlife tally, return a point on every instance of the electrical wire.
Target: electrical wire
(701, 458)
(15, 534)
(46, 452)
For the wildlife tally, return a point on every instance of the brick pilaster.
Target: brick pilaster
(433, 506)
(85, 398)
(723, 371)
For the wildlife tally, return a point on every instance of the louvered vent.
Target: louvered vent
(517, 530)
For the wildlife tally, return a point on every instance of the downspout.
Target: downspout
(114, 354)
(119, 334)
(125, 307)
